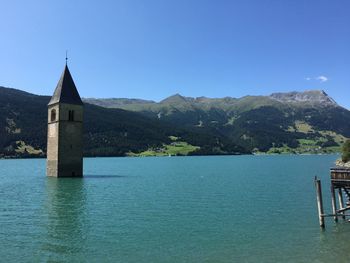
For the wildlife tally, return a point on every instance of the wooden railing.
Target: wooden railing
(340, 174)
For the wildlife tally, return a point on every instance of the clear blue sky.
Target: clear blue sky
(154, 48)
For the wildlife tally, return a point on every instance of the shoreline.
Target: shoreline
(166, 156)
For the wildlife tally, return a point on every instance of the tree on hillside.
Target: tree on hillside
(346, 152)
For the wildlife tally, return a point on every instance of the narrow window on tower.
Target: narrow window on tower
(71, 115)
(53, 115)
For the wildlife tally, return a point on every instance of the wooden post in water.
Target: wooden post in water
(341, 201)
(334, 203)
(319, 201)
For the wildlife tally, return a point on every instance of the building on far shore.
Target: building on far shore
(65, 130)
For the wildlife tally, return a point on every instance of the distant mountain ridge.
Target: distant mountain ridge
(308, 121)
(309, 96)
(115, 102)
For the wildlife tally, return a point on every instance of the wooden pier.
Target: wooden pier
(340, 188)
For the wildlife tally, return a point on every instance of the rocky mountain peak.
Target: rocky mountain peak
(310, 96)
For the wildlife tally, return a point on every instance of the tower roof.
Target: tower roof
(66, 92)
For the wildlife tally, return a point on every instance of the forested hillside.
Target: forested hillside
(107, 132)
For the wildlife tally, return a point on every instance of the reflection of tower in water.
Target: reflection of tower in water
(66, 220)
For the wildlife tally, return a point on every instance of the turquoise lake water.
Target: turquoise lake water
(178, 209)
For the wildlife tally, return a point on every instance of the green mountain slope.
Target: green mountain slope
(298, 122)
(107, 132)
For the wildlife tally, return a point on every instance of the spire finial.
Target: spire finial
(66, 56)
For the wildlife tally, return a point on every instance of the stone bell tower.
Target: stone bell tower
(65, 130)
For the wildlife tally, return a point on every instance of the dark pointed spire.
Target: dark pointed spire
(66, 92)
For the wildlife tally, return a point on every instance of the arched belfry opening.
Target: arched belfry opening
(71, 115)
(53, 115)
(65, 130)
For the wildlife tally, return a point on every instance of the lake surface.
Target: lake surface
(178, 209)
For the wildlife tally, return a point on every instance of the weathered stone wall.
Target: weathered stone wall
(52, 142)
(65, 142)
(64, 109)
